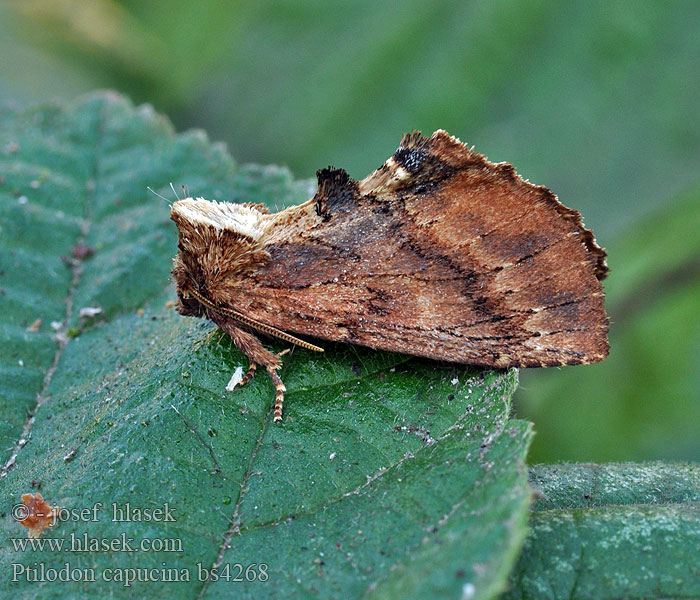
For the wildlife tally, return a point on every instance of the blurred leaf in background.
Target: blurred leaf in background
(596, 100)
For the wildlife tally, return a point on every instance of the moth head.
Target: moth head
(218, 243)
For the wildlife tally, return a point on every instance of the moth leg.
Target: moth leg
(279, 392)
(252, 367)
(257, 355)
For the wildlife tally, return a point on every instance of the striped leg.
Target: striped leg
(249, 375)
(257, 355)
(279, 392)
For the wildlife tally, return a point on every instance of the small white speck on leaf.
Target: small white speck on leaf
(236, 378)
(468, 591)
(89, 311)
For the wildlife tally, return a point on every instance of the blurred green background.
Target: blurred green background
(598, 100)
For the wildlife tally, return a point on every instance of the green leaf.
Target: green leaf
(612, 531)
(390, 476)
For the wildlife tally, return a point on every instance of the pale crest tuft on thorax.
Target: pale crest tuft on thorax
(238, 218)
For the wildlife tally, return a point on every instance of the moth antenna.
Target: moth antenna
(150, 189)
(186, 191)
(172, 187)
(255, 324)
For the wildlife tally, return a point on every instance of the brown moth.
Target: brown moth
(438, 253)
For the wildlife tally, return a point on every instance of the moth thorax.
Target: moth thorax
(199, 214)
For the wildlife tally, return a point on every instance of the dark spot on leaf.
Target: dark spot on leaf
(81, 252)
